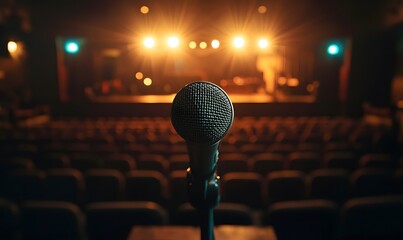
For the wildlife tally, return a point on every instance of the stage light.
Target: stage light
(333, 49)
(192, 45)
(72, 47)
(12, 47)
(293, 82)
(263, 43)
(238, 42)
(203, 45)
(173, 42)
(215, 44)
(139, 75)
(147, 81)
(149, 42)
(144, 9)
(282, 81)
(262, 9)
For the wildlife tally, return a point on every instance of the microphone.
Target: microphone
(202, 114)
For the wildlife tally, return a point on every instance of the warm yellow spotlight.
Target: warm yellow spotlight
(215, 44)
(139, 75)
(263, 43)
(144, 9)
(192, 45)
(147, 81)
(238, 42)
(173, 42)
(12, 46)
(149, 42)
(203, 45)
(282, 81)
(262, 9)
(293, 82)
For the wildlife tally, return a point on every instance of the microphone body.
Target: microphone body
(202, 114)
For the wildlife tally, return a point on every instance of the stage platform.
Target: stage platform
(160, 106)
(235, 98)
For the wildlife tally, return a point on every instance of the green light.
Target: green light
(333, 49)
(72, 47)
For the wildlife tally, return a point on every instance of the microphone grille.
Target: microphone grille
(202, 112)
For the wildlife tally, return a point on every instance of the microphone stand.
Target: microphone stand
(204, 196)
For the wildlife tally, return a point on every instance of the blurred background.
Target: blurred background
(85, 95)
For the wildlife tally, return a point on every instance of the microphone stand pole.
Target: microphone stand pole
(204, 196)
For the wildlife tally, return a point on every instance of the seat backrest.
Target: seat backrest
(65, 185)
(142, 185)
(52, 220)
(104, 185)
(178, 189)
(178, 162)
(306, 219)
(372, 182)
(304, 161)
(284, 186)
(342, 160)
(399, 181)
(9, 220)
(234, 165)
(24, 185)
(377, 161)
(329, 184)
(372, 218)
(242, 188)
(268, 162)
(153, 162)
(122, 162)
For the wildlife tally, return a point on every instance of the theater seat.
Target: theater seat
(284, 185)
(399, 181)
(9, 220)
(24, 185)
(372, 218)
(121, 162)
(178, 162)
(52, 220)
(242, 188)
(306, 219)
(329, 184)
(178, 189)
(372, 182)
(304, 161)
(65, 185)
(104, 185)
(265, 163)
(232, 165)
(341, 160)
(153, 162)
(377, 161)
(114, 220)
(9, 165)
(146, 186)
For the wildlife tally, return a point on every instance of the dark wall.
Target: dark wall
(373, 66)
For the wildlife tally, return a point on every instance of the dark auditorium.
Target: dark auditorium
(201, 120)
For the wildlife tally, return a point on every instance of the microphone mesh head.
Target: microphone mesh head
(202, 113)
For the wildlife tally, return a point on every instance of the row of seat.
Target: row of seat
(38, 150)
(360, 218)
(244, 130)
(228, 162)
(249, 189)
